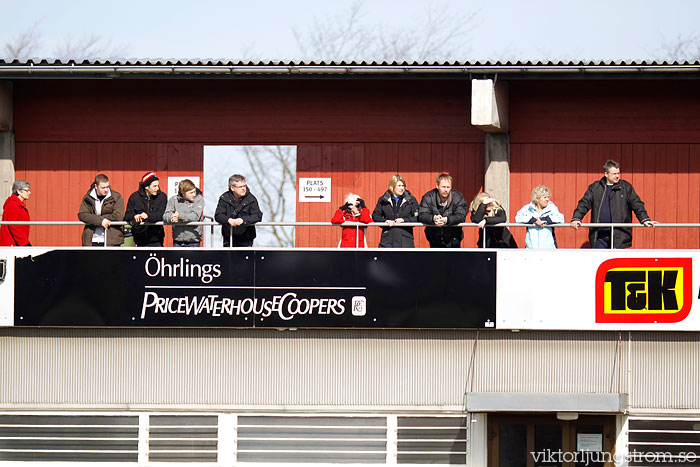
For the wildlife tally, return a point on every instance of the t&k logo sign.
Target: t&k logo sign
(644, 290)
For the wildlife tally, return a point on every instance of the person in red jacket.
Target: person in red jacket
(354, 210)
(15, 210)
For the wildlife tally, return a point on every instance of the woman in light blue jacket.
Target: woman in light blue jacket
(540, 211)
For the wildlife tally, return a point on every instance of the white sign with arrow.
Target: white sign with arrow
(314, 190)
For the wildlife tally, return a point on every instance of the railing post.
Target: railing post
(144, 429)
(612, 237)
(483, 235)
(392, 443)
(228, 423)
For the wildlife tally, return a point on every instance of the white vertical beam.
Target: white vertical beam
(227, 438)
(477, 444)
(7, 293)
(622, 425)
(392, 441)
(144, 429)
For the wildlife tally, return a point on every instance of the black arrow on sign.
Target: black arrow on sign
(319, 196)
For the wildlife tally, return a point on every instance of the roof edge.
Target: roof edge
(113, 70)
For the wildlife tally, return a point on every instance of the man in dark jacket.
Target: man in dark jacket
(147, 204)
(611, 200)
(100, 207)
(238, 208)
(443, 206)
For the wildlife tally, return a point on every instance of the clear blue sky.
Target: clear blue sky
(522, 29)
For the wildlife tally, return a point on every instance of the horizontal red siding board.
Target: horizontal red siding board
(604, 111)
(238, 111)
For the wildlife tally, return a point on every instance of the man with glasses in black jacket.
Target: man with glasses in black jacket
(238, 209)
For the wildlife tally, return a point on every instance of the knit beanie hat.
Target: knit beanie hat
(148, 178)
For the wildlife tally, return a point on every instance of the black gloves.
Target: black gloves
(360, 204)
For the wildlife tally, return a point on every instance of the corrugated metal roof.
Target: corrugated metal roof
(229, 62)
(13, 67)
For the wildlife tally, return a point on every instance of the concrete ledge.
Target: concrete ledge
(489, 111)
(546, 402)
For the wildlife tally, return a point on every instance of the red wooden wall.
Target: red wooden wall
(69, 130)
(61, 174)
(563, 131)
(365, 169)
(359, 132)
(605, 111)
(240, 111)
(666, 177)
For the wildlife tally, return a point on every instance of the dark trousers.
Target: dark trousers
(186, 244)
(602, 243)
(450, 244)
(246, 243)
(151, 244)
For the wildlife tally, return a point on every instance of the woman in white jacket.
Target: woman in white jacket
(541, 212)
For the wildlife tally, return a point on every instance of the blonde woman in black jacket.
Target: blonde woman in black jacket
(395, 207)
(485, 210)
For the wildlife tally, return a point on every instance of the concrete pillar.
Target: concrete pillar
(497, 168)
(7, 141)
(489, 113)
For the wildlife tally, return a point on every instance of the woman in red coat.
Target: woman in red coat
(354, 210)
(15, 210)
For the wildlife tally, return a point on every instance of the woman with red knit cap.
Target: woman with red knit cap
(145, 206)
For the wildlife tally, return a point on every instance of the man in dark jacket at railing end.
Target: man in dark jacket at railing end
(147, 205)
(611, 200)
(238, 209)
(443, 206)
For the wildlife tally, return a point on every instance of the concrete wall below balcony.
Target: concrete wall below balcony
(340, 370)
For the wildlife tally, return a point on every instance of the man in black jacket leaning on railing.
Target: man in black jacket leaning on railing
(443, 206)
(238, 210)
(611, 200)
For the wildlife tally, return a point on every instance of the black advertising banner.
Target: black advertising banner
(257, 288)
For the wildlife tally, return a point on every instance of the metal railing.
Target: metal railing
(358, 225)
